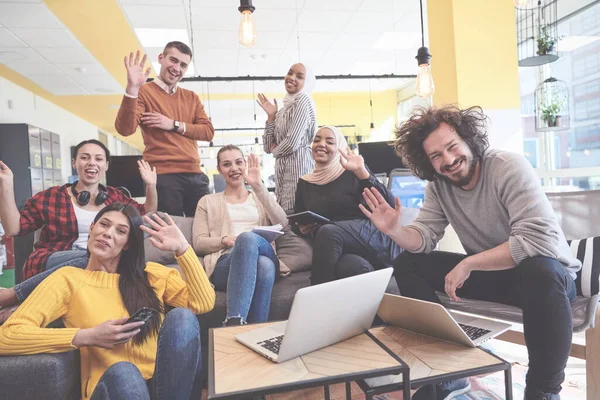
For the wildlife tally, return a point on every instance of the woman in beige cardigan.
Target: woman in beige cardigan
(237, 260)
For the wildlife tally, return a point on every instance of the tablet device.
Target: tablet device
(307, 218)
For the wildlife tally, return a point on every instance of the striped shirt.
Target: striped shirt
(292, 132)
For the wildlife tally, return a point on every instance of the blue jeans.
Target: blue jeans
(71, 258)
(540, 286)
(178, 369)
(247, 273)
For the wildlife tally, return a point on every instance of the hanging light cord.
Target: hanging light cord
(422, 29)
(298, 30)
(191, 27)
(253, 101)
(208, 100)
(254, 104)
(370, 101)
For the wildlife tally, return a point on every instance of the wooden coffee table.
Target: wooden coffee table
(432, 361)
(235, 371)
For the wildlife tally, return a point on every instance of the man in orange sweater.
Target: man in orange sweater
(172, 120)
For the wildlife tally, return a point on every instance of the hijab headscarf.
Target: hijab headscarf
(330, 171)
(309, 84)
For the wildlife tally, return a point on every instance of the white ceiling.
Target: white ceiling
(332, 36)
(34, 43)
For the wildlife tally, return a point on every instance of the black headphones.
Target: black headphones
(83, 197)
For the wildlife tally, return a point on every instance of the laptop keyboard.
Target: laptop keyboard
(273, 344)
(474, 332)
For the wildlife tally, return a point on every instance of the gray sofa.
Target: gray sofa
(56, 376)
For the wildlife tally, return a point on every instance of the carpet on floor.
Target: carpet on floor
(489, 387)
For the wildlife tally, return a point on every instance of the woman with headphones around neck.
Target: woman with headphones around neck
(64, 214)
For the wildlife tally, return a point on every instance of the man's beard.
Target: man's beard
(464, 181)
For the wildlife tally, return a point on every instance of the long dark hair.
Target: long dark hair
(470, 124)
(135, 289)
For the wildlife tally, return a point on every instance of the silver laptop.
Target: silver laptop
(434, 320)
(321, 316)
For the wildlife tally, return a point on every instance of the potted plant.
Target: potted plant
(545, 42)
(550, 111)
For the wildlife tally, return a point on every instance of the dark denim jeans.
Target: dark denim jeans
(247, 273)
(540, 286)
(71, 258)
(178, 370)
(337, 254)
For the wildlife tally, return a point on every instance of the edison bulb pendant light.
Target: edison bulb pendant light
(425, 85)
(247, 29)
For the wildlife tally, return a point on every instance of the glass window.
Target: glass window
(578, 147)
(576, 183)
(530, 150)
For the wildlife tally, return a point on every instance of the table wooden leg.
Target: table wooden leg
(508, 383)
(326, 389)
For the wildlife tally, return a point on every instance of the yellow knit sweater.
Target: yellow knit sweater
(85, 299)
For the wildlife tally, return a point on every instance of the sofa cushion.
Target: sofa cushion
(167, 257)
(294, 251)
(588, 252)
(41, 376)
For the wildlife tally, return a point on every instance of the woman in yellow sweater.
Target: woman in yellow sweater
(158, 359)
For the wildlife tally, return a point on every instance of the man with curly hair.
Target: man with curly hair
(516, 252)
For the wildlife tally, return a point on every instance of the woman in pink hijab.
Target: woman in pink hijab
(350, 244)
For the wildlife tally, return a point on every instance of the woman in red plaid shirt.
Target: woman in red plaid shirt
(64, 214)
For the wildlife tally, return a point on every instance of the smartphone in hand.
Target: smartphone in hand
(143, 314)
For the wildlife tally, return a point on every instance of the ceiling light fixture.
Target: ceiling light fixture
(425, 86)
(7, 56)
(520, 3)
(247, 31)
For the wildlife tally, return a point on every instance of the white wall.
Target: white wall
(34, 110)
(504, 130)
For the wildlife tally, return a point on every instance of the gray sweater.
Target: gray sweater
(508, 203)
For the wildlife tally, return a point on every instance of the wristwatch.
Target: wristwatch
(175, 126)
